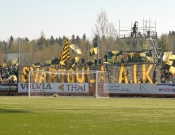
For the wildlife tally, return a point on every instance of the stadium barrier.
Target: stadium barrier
(115, 89)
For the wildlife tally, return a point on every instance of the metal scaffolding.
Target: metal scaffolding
(146, 31)
(147, 34)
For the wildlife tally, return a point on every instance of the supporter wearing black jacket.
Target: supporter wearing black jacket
(1, 81)
(15, 70)
(105, 57)
(82, 61)
(95, 61)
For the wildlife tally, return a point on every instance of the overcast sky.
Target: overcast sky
(27, 18)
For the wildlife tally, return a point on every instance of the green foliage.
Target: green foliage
(171, 41)
(86, 115)
(95, 41)
(84, 36)
(60, 41)
(37, 49)
(163, 43)
(73, 38)
(52, 41)
(11, 42)
(41, 42)
(122, 45)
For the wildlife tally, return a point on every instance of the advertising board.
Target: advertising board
(8, 87)
(166, 89)
(130, 88)
(54, 87)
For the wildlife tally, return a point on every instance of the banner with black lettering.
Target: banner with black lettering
(54, 87)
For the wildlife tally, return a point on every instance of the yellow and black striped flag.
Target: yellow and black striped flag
(75, 60)
(65, 53)
(166, 56)
(93, 51)
(170, 66)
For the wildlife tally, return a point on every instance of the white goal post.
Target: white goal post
(101, 79)
(91, 77)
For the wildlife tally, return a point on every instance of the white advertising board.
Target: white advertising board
(111, 87)
(130, 88)
(54, 87)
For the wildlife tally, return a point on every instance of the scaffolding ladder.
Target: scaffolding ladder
(154, 49)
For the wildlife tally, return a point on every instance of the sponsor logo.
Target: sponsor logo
(53, 87)
(167, 90)
(61, 87)
(142, 87)
(116, 88)
(8, 87)
(75, 87)
(36, 86)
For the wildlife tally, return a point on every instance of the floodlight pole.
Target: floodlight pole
(119, 28)
(96, 84)
(98, 50)
(29, 83)
(19, 44)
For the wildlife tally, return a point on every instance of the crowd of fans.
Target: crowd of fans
(8, 73)
(71, 63)
(167, 77)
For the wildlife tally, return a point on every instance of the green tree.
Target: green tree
(163, 43)
(52, 41)
(5, 46)
(64, 38)
(77, 40)
(26, 39)
(60, 41)
(56, 40)
(84, 36)
(73, 38)
(171, 41)
(10, 42)
(95, 41)
(41, 42)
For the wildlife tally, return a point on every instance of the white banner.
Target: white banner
(131, 88)
(166, 89)
(111, 87)
(54, 87)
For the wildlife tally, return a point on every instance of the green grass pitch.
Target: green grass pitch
(86, 116)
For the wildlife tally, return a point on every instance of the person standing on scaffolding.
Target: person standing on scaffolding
(135, 29)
